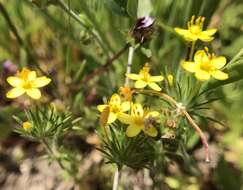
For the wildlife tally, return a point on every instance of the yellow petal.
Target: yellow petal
(156, 78)
(34, 93)
(15, 81)
(209, 32)
(40, 82)
(186, 34)
(189, 66)
(154, 86)
(182, 32)
(15, 92)
(151, 131)
(125, 118)
(205, 38)
(140, 84)
(220, 75)
(152, 114)
(133, 130)
(101, 107)
(200, 56)
(112, 117)
(31, 75)
(125, 106)
(133, 76)
(115, 100)
(137, 110)
(202, 75)
(219, 62)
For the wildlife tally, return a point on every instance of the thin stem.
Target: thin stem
(192, 51)
(116, 179)
(199, 131)
(183, 112)
(69, 11)
(129, 64)
(104, 67)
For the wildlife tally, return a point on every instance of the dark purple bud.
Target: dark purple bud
(143, 29)
(144, 22)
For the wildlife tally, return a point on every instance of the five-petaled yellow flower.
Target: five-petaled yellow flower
(144, 78)
(195, 31)
(116, 107)
(206, 65)
(27, 82)
(139, 120)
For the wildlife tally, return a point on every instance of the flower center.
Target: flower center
(115, 108)
(206, 66)
(195, 29)
(27, 85)
(144, 73)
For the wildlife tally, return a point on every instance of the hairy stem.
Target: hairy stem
(129, 65)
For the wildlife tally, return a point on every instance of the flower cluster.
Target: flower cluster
(138, 119)
(204, 64)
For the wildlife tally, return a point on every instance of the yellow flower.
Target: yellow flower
(27, 82)
(27, 126)
(206, 65)
(139, 120)
(116, 107)
(144, 78)
(195, 31)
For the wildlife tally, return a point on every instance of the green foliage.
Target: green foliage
(124, 151)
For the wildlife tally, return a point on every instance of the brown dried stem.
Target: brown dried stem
(183, 112)
(104, 67)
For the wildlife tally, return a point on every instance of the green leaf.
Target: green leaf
(132, 7)
(234, 69)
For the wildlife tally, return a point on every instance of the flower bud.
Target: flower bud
(143, 29)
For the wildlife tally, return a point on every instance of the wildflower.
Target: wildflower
(116, 107)
(139, 120)
(195, 31)
(27, 126)
(144, 78)
(126, 92)
(206, 65)
(170, 79)
(27, 82)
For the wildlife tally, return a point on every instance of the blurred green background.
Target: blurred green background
(50, 40)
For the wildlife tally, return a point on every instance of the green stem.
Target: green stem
(70, 12)
(192, 51)
(54, 155)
